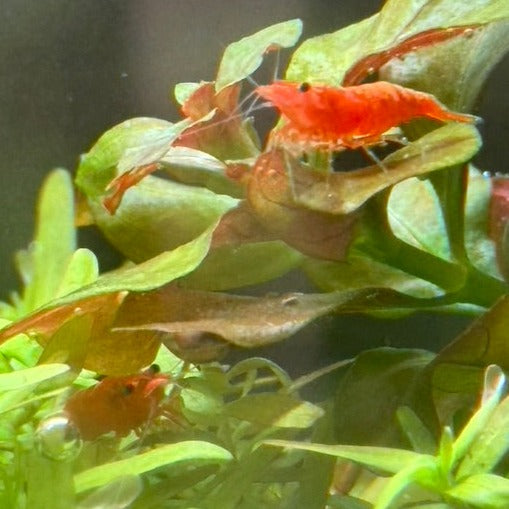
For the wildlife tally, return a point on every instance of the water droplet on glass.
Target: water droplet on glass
(58, 439)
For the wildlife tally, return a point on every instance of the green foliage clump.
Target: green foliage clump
(395, 427)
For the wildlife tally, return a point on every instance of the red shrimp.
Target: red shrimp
(371, 63)
(118, 404)
(319, 117)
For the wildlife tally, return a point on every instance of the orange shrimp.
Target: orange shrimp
(319, 117)
(118, 404)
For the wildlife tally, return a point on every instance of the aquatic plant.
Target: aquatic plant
(418, 229)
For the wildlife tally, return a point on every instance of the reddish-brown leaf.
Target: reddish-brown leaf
(271, 195)
(107, 352)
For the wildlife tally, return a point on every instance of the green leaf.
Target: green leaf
(274, 410)
(344, 192)
(365, 416)
(380, 458)
(418, 435)
(317, 471)
(326, 58)
(183, 91)
(188, 452)
(480, 248)
(82, 270)
(415, 217)
(489, 446)
(364, 272)
(482, 490)
(493, 386)
(243, 57)
(229, 267)
(422, 471)
(238, 478)
(198, 168)
(483, 343)
(98, 167)
(118, 494)
(346, 502)
(148, 275)
(446, 453)
(20, 349)
(28, 377)
(151, 148)
(158, 215)
(69, 343)
(54, 242)
(456, 70)
(49, 482)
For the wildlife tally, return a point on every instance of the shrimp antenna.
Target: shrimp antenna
(276, 65)
(237, 113)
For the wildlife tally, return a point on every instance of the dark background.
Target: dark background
(70, 69)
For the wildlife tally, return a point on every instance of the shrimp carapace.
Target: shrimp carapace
(319, 117)
(118, 404)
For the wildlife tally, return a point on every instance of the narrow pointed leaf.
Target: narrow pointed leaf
(190, 452)
(381, 458)
(488, 491)
(54, 242)
(30, 376)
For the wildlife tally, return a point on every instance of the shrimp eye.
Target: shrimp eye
(154, 369)
(128, 389)
(304, 87)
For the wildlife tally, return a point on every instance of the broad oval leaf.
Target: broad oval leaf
(243, 57)
(98, 166)
(327, 58)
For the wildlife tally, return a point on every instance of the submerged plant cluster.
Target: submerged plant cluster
(85, 423)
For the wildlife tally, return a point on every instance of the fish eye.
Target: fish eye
(304, 87)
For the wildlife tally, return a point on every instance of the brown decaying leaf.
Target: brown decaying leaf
(108, 352)
(270, 194)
